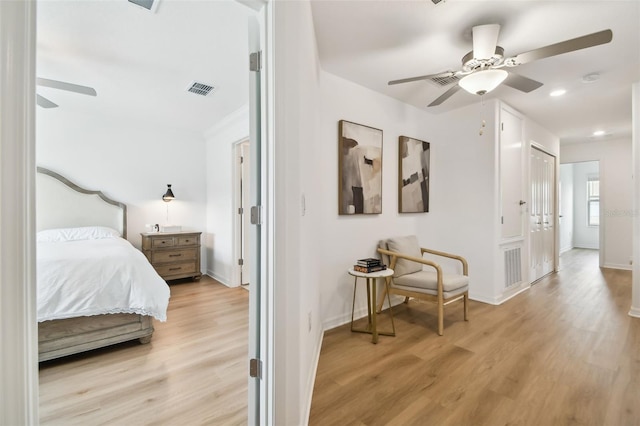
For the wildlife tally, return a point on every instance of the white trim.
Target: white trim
(18, 326)
(617, 266)
(634, 312)
(312, 378)
(221, 280)
(500, 299)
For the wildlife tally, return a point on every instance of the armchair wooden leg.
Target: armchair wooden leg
(406, 299)
(381, 302)
(466, 306)
(440, 317)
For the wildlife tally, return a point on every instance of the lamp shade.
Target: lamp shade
(481, 82)
(168, 196)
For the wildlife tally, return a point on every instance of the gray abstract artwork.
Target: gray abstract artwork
(360, 169)
(413, 192)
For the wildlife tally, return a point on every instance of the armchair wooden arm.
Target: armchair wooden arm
(465, 265)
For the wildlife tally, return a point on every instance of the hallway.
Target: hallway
(563, 352)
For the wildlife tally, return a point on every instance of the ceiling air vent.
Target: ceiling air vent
(201, 89)
(445, 81)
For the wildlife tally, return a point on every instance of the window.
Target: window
(593, 201)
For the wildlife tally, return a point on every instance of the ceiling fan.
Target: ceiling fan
(482, 68)
(56, 84)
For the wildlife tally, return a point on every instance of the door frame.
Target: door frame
(236, 245)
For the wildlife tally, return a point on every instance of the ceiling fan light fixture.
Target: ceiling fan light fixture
(482, 82)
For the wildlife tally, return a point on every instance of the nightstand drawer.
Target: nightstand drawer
(164, 256)
(162, 242)
(174, 255)
(191, 240)
(177, 269)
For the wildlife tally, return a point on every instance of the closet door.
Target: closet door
(542, 214)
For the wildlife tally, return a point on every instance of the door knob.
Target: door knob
(522, 202)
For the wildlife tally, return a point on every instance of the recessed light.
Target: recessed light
(558, 92)
(598, 133)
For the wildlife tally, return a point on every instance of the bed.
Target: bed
(94, 288)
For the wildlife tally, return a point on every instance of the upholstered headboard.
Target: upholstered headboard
(61, 203)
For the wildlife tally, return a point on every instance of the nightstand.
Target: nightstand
(173, 254)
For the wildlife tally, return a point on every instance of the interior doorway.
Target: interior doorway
(579, 206)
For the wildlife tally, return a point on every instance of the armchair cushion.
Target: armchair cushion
(428, 280)
(406, 245)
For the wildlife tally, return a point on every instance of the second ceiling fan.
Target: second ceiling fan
(482, 68)
(61, 85)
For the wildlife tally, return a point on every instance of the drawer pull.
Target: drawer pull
(175, 269)
(175, 255)
(186, 241)
(162, 242)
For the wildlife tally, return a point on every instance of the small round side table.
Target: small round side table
(372, 327)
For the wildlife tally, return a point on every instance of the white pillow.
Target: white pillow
(76, 234)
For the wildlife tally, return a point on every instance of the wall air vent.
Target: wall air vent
(445, 81)
(150, 5)
(512, 267)
(201, 89)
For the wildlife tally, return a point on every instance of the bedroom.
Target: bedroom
(297, 301)
(144, 130)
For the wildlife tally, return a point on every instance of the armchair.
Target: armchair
(412, 279)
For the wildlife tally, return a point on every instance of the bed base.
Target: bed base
(58, 338)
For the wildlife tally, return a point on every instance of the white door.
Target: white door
(542, 216)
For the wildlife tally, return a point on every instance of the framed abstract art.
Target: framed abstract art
(359, 169)
(413, 175)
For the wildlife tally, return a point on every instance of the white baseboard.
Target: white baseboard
(312, 380)
(566, 249)
(617, 266)
(484, 299)
(360, 312)
(220, 279)
(500, 299)
(634, 312)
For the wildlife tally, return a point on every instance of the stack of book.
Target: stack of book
(369, 265)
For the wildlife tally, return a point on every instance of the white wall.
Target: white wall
(615, 195)
(566, 207)
(585, 236)
(130, 162)
(220, 140)
(298, 250)
(344, 239)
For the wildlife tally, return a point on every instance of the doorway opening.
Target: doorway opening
(579, 208)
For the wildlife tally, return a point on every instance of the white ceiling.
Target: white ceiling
(372, 42)
(141, 63)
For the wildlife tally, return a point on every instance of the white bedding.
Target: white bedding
(97, 276)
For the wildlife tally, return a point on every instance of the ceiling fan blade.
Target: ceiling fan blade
(66, 86)
(44, 102)
(485, 39)
(423, 77)
(446, 95)
(522, 83)
(589, 40)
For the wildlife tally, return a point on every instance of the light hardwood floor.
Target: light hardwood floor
(194, 371)
(563, 353)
